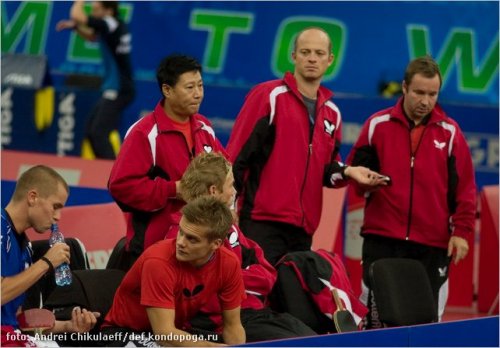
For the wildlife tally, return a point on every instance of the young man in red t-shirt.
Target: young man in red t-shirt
(210, 174)
(172, 279)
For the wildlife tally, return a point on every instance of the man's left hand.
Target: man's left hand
(461, 247)
(82, 320)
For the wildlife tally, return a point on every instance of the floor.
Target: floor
(460, 313)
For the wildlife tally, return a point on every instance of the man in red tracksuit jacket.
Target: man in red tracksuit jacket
(429, 210)
(156, 151)
(211, 174)
(284, 147)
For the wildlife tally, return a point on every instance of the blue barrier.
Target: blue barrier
(78, 195)
(473, 333)
(482, 332)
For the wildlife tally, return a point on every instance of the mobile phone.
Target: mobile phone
(386, 178)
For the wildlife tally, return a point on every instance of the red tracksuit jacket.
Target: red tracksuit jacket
(154, 155)
(280, 164)
(433, 193)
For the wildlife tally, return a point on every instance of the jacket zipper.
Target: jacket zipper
(309, 153)
(190, 151)
(412, 174)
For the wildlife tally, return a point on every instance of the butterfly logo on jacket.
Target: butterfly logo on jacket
(439, 145)
(442, 271)
(196, 290)
(207, 148)
(233, 238)
(329, 127)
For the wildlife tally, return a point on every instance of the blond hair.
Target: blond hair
(211, 213)
(205, 170)
(43, 179)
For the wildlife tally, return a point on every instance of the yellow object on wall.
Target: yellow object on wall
(114, 139)
(44, 108)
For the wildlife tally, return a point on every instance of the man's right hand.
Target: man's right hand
(58, 254)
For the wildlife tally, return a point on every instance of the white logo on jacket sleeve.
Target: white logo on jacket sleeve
(439, 145)
(207, 129)
(329, 127)
(335, 177)
(207, 148)
(234, 239)
(8, 244)
(442, 271)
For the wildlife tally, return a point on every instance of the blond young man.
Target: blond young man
(210, 174)
(173, 279)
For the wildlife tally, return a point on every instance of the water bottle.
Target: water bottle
(62, 272)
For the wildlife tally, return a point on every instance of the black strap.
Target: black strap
(51, 266)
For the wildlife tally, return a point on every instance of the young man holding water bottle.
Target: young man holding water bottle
(38, 199)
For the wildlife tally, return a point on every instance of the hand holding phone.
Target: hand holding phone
(387, 179)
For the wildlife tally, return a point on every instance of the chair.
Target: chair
(120, 258)
(402, 292)
(98, 226)
(93, 289)
(38, 293)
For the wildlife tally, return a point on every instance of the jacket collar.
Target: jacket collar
(164, 122)
(324, 94)
(437, 114)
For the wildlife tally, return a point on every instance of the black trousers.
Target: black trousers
(104, 118)
(265, 324)
(261, 325)
(435, 261)
(276, 238)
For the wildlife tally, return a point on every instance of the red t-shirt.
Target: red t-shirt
(185, 129)
(158, 279)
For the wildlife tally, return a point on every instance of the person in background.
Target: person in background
(157, 149)
(105, 26)
(174, 278)
(284, 148)
(37, 202)
(428, 211)
(210, 174)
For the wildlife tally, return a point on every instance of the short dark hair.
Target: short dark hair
(173, 66)
(425, 66)
(42, 178)
(209, 212)
(111, 5)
